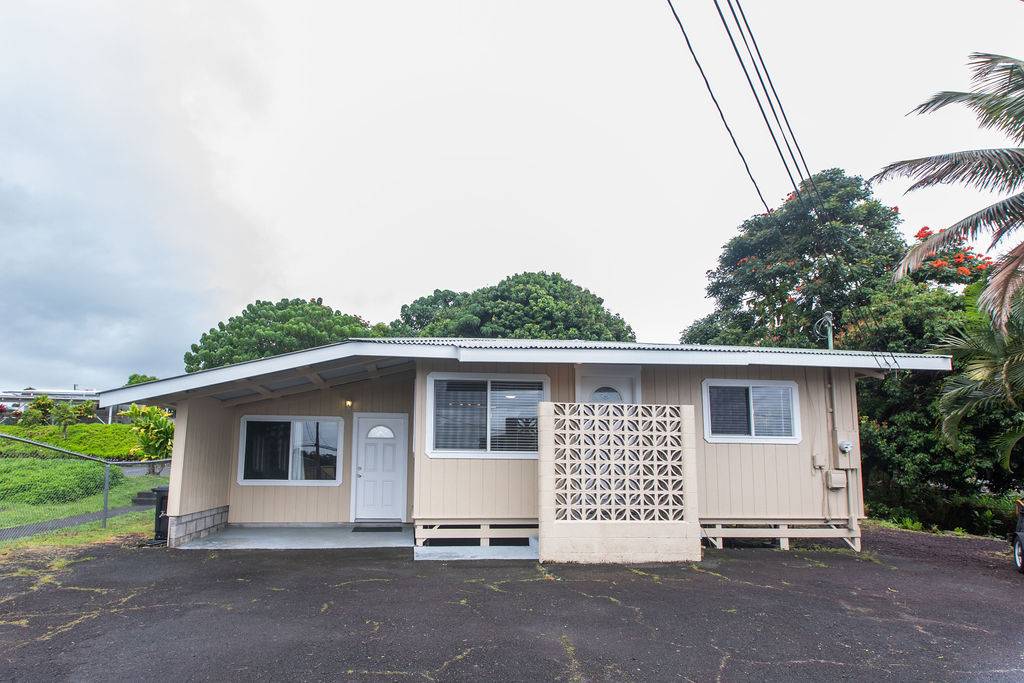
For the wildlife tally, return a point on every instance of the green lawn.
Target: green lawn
(140, 523)
(113, 442)
(17, 514)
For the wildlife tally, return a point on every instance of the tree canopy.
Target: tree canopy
(523, 306)
(786, 268)
(139, 378)
(267, 328)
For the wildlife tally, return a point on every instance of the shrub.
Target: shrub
(153, 428)
(983, 514)
(113, 442)
(35, 481)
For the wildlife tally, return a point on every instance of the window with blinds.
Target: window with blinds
(773, 410)
(513, 411)
(486, 415)
(736, 410)
(730, 410)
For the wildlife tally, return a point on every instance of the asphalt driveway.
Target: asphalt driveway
(913, 607)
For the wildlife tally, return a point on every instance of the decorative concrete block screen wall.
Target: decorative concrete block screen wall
(618, 483)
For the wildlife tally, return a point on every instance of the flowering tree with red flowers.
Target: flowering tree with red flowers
(955, 264)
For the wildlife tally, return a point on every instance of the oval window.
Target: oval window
(380, 432)
(606, 395)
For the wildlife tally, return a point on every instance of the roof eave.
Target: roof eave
(168, 389)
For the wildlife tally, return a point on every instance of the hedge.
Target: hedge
(113, 442)
(35, 481)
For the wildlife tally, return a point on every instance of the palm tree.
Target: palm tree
(997, 98)
(991, 362)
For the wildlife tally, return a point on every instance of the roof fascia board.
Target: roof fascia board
(291, 361)
(878, 361)
(325, 354)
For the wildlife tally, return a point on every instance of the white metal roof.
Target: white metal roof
(526, 351)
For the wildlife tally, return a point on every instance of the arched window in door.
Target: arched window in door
(606, 395)
(380, 432)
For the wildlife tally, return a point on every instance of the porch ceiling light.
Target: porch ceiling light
(348, 403)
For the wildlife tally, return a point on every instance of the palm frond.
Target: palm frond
(999, 170)
(998, 296)
(1005, 442)
(996, 74)
(1000, 112)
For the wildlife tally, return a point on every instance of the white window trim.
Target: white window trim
(337, 481)
(706, 384)
(481, 376)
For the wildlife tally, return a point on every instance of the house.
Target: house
(15, 401)
(20, 399)
(595, 451)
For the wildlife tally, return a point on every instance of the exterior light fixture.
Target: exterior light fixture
(348, 403)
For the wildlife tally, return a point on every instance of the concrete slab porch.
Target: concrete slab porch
(301, 538)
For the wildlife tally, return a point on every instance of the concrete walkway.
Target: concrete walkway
(301, 538)
(54, 524)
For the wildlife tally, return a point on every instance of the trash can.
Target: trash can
(160, 514)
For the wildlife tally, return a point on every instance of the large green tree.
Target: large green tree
(787, 267)
(267, 328)
(523, 306)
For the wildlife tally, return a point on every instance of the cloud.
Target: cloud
(164, 164)
(117, 247)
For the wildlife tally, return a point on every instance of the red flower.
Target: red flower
(959, 258)
(894, 209)
(939, 263)
(791, 196)
(963, 271)
(790, 299)
(982, 266)
(923, 233)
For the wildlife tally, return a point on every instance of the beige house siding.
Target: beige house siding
(737, 483)
(199, 466)
(315, 504)
(478, 488)
(759, 483)
(765, 482)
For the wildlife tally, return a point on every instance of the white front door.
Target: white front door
(381, 462)
(607, 384)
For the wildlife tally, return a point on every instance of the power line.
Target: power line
(753, 91)
(782, 109)
(764, 89)
(721, 114)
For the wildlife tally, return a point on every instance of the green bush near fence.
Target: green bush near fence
(113, 442)
(35, 481)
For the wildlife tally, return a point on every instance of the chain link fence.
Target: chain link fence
(67, 489)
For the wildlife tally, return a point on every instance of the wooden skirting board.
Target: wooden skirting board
(482, 529)
(716, 533)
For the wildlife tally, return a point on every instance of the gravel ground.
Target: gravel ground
(913, 606)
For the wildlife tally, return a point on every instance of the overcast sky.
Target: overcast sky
(164, 164)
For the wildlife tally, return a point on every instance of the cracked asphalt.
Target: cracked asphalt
(912, 607)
